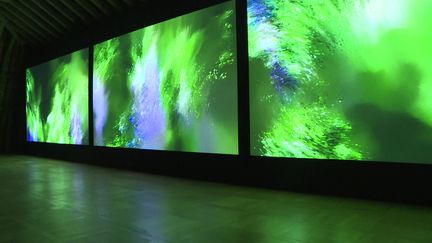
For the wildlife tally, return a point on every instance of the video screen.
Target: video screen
(170, 86)
(344, 80)
(57, 100)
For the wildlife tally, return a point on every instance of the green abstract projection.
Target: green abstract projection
(341, 79)
(57, 100)
(170, 86)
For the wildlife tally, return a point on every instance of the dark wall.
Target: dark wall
(11, 89)
(373, 180)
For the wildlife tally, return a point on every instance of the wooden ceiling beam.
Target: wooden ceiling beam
(22, 27)
(19, 35)
(102, 5)
(118, 5)
(50, 11)
(25, 28)
(41, 19)
(63, 10)
(4, 23)
(28, 20)
(129, 2)
(30, 39)
(89, 8)
(74, 7)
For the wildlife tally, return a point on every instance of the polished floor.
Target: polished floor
(45, 200)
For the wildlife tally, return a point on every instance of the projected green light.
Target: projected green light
(167, 86)
(57, 100)
(341, 79)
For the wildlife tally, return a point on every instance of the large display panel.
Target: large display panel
(57, 100)
(348, 80)
(170, 86)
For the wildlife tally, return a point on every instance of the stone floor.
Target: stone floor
(44, 200)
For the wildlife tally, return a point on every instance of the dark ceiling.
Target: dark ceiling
(40, 22)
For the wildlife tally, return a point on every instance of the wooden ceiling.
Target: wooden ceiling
(40, 22)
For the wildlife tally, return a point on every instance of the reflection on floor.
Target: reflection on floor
(44, 200)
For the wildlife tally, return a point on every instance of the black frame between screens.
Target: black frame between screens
(372, 180)
(90, 97)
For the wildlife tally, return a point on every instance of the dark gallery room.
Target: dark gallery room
(255, 121)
